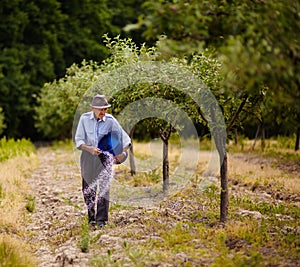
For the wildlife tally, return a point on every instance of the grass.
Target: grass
(30, 204)
(85, 236)
(17, 160)
(281, 149)
(10, 148)
(13, 253)
(12, 180)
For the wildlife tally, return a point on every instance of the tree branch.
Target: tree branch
(165, 135)
(238, 111)
(202, 116)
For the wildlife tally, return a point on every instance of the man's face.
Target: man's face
(99, 112)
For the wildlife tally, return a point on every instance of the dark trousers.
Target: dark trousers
(91, 167)
(89, 194)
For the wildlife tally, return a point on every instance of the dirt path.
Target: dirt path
(55, 224)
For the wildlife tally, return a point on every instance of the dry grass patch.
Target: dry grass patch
(13, 204)
(13, 188)
(262, 173)
(13, 253)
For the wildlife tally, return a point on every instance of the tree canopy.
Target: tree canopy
(39, 40)
(256, 41)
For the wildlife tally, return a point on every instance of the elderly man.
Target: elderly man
(93, 128)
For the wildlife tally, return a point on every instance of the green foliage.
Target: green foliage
(12, 148)
(39, 40)
(87, 21)
(30, 204)
(26, 58)
(58, 100)
(256, 41)
(238, 48)
(204, 67)
(85, 236)
(125, 13)
(283, 142)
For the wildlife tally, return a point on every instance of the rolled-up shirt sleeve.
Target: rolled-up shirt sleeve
(80, 134)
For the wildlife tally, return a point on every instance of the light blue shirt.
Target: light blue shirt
(90, 131)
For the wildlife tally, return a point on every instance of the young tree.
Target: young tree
(142, 77)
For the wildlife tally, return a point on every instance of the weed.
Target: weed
(105, 260)
(176, 235)
(65, 144)
(150, 178)
(135, 254)
(30, 204)
(253, 260)
(212, 196)
(85, 237)
(267, 208)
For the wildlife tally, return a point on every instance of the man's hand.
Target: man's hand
(91, 149)
(119, 158)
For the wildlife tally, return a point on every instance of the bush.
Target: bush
(58, 100)
(286, 142)
(12, 148)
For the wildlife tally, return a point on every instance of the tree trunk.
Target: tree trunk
(224, 189)
(297, 139)
(220, 139)
(236, 139)
(256, 135)
(221, 147)
(165, 135)
(131, 155)
(263, 137)
(165, 165)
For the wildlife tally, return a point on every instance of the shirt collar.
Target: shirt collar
(92, 117)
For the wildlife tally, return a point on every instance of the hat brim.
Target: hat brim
(107, 106)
